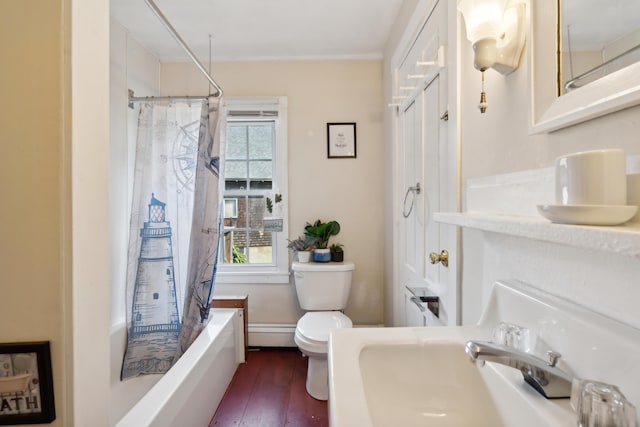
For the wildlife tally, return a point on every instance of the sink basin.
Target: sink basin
(430, 384)
(423, 377)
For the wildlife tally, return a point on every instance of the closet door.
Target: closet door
(422, 136)
(423, 154)
(413, 207)
(431, 159)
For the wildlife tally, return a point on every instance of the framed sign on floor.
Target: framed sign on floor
(26, 383)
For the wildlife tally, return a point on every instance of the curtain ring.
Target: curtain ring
(414, 190)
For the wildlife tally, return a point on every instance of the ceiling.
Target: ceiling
(225, 30)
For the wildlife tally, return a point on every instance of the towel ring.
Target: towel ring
(413, 190)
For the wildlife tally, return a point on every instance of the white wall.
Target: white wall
(86, 169)
(498, 142)
(347, 190)
(601, 275)
(131, 67)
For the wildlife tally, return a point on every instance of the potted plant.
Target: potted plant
(302, 246)
(337, 252)
(321, 232)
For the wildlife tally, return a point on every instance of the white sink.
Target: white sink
(399, 381)
(393, 395)
(423, 377)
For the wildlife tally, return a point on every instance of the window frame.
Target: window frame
(253, 109)
(235, 207)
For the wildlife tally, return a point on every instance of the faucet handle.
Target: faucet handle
(553, 357)
(600, 404)
(512, 335)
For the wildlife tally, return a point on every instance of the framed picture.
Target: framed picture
(26, 384)
(341, 140)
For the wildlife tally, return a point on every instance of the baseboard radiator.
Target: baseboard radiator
(271, 335)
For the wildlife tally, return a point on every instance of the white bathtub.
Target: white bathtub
(190, 392)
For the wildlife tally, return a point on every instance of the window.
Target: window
(255, 169)
(230, 208)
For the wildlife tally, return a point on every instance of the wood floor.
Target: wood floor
(269, 390)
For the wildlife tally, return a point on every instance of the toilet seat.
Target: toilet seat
(313, 329)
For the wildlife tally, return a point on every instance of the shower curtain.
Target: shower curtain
(173, 240)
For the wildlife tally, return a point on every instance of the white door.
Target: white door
(423, 154)
(422, 134)
(412, 204)
(431, 160)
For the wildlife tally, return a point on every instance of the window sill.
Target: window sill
(251, 277)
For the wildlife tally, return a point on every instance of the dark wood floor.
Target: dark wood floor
(269, 390)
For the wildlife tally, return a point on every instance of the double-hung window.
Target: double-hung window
(255, 170)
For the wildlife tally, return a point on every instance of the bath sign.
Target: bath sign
(26, 385)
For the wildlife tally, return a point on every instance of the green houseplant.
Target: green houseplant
(302, 246)
(322, 232)
(337, 252)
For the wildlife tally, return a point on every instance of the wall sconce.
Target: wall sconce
(496, 30)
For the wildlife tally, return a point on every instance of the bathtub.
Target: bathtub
(190, 392)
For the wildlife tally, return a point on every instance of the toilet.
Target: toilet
(323, 291)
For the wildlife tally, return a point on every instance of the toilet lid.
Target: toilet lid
(317, 325)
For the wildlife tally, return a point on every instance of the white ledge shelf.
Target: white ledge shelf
(622, 239)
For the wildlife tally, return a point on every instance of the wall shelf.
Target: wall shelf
(622, 239)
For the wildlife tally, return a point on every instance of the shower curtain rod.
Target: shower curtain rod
(133, 99)
(571, 84)
(183, 45)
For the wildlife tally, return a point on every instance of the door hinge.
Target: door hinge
(445, 116)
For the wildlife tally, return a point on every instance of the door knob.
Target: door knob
(443, 257)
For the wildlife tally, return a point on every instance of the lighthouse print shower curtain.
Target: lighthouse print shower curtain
(174, 231)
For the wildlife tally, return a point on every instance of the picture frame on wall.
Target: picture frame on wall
(26, 383)
(341, 140)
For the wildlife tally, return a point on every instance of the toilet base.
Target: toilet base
(318, 377)
(312, 338)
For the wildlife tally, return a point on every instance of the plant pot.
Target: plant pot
(337, 256)
(321, 255)
(304, 256)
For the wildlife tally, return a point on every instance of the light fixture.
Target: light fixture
(496, 30)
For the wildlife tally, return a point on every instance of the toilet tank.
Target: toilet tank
(323, 286)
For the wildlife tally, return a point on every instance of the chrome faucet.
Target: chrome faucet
(542, 375)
